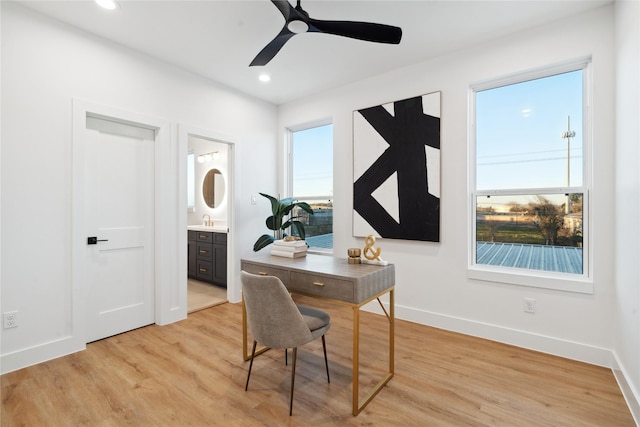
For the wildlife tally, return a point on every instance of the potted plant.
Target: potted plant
(280, 208)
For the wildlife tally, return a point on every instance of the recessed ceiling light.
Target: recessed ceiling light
(107, 4)
(264, 77)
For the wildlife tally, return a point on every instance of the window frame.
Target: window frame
(526, 277)
(290, 130)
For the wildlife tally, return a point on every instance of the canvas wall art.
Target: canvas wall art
(396, 169)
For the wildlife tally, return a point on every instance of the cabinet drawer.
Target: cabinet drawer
(220, 238)
(205, 270)
(327, 287)
(266, 271)
(204, 251)
(204, 236)
(192, 235)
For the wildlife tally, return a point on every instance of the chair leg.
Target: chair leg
(253, 353)
(326, 361)
(286, 352)
(293, 378)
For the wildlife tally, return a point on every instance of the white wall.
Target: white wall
(431, 278)
(45, 65)
(627, 303)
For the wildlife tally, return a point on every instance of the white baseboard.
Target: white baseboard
(545, 344)
(172, 315)
(631, 395)
(41, 353)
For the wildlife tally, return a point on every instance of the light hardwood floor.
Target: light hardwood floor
(192, 373)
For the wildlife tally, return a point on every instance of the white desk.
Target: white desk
(332, 279)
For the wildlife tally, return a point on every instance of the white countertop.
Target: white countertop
(215, 228)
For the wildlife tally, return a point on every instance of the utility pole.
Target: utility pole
(568, 134)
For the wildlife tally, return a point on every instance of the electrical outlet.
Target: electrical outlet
(529, 305)
(10, 319)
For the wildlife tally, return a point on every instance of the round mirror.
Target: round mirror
(213, 188)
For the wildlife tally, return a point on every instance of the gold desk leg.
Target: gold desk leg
(356, 361)
(359, 405)
(392, 331)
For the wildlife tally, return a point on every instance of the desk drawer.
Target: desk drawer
(266, 271)
(326, 287)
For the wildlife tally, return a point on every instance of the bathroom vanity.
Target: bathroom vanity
(207, 255)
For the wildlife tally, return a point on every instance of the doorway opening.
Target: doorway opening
(208, 190)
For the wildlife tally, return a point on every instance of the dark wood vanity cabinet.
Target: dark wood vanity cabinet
(208, 257)
(191, 258)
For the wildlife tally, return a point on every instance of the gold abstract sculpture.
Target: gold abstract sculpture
(369, 252)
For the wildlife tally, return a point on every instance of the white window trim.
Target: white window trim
(525, 277)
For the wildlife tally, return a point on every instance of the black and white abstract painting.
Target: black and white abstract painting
(396, 169)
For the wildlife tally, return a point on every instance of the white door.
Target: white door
(119, 203)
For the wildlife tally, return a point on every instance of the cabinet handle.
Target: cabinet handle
(318, 284)
(203, 251)
(203, 236)
(204, 270)
(262, 273)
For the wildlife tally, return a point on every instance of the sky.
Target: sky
(313, 161)
(519, 127)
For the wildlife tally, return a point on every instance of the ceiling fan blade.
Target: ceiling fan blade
(284, 7)
(271, 49)
(367, 31)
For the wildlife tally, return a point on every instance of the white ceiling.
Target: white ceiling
(218, 39)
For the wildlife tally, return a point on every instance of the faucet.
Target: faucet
(207, 222)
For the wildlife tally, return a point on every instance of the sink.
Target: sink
(215, 228)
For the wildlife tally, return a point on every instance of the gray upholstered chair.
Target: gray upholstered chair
(277, 322)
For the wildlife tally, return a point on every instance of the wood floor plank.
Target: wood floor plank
(192, 373)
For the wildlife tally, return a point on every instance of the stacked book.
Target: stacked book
(289, 248)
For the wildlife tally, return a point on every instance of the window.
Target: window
(311, 172)
(530, 179)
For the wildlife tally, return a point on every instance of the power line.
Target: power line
(528, 153)
(527, 161)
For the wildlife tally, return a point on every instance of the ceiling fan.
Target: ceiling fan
(298, 21)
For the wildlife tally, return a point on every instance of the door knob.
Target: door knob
(94, 240)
